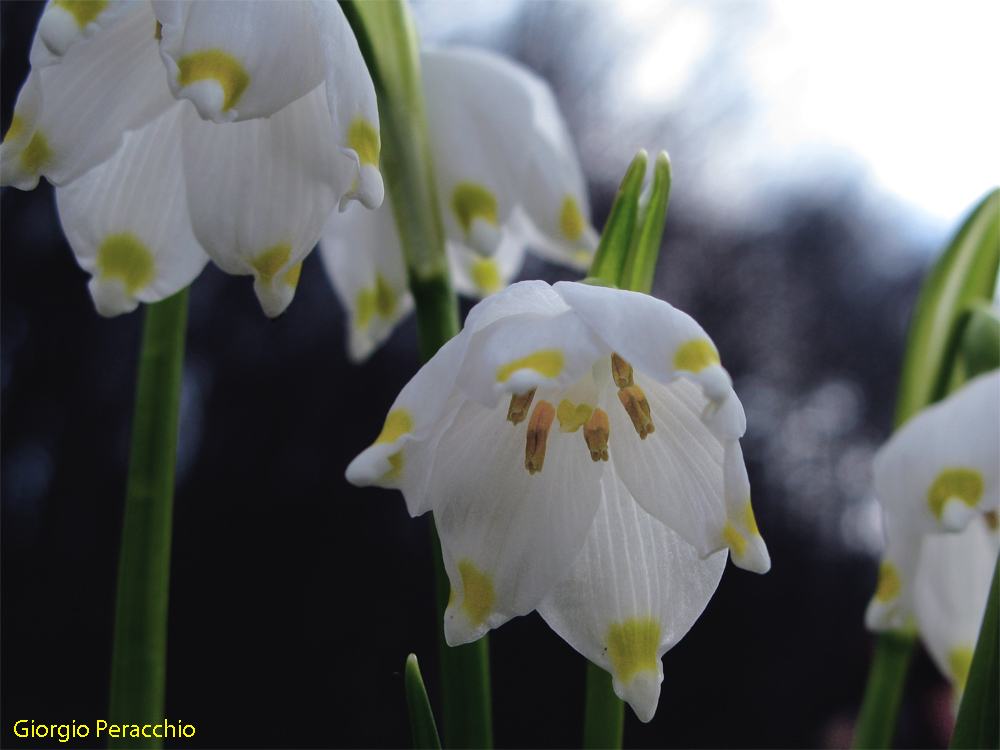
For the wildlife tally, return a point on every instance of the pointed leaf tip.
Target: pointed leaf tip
(425, 734)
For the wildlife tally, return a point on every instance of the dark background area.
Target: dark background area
(295, 597)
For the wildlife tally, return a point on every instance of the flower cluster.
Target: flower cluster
(579, 446)
(179, 132)
(938, 479)
(508, 177)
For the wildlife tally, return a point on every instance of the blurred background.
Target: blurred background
(823, 155)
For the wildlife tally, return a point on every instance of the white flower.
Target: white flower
(579, 447)
(507, 176)
(175, 129)
(938, 479)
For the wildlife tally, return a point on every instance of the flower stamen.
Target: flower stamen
(517, 412)
(635, 403)
(621, 371)
(596, 432)
(538, 432)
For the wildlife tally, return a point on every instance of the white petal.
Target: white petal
(237, 60)
(17, 167)
(362, 255)
(510, 534)
(526, 297)
(65, 22)
(351, 97)
(676, 472)
(260, 192)
(632, 594)
(402, 455)
(950, 591)
(105, 85)
(940, 469)
(891, 607)
(127, 221)
(479, 117)
(652, 335)
(477, 275)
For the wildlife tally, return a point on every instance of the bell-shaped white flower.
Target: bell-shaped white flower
(173, 130)
(508, 179)
(937, 479)
(579, 447)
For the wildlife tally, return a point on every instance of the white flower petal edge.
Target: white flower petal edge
(66, 22)
(937, 480)
(71, 116)
(940, 469)
(501, 149)
(507, 435)
(265, 211)
(361, 253)
(127, 221)
(614, 612)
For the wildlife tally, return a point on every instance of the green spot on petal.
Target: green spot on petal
(397, 423)
(292, 275)
(733, 540)
(83, 11)
(889, 583)
(570, 220)
(632, 646)
(471, 201)
(964, 484)
(15, 129)
(547, 362)
(960, 661)
(363, 138)
(379, 299)
(217, 65)
(269, 262)
(486, 274)
(123, 256)
(695, 355)
(36, 154)
(479, 594)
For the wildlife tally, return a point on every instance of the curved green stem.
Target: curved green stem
(884, 694)
(139, 659)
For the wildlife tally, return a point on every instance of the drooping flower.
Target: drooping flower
(176, 129)
(937, 479)
(579, 447)
(508, 178)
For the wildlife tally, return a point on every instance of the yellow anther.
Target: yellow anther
(573, 416)
(596, 432)
(538, 432)
(889, 583)
(635, 403)
(517, 412)
(621, 371)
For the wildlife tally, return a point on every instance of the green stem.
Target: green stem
(978, 722)
(884, 694)
(139, 660)
(465, 675)
(604, 718)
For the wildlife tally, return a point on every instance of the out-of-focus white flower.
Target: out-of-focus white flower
(175, 129)
(579, 447)
(938, 479)
(508, 178)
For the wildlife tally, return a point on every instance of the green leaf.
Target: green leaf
(884, 693)
(425, 733)
(640, 266)
(616, 239)
(965, 275)
(978, 347)
(139, 657)
(978, 722)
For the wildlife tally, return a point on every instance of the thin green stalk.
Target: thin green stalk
(884, 694)
(139, 660)
(425, 734)
(465, 675)
(604, 717)
(978, 722)
(388, 41)
(640, 266)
